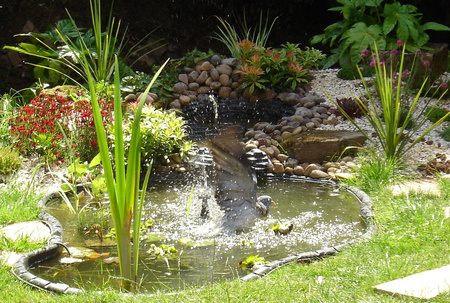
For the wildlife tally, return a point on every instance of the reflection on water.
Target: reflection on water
(322, 216)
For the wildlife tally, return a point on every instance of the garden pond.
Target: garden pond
(181, 246)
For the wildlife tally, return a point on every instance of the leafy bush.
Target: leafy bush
(56, 53)
(162, 134)
(57, 126)
(367, 22)
(9, 160)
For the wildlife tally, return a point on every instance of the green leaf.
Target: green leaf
(95, 161)
(317, 38)
(435, 27)
(336, 9)
(330, 60)
(31, 48)
(374, 3)
(67, 187)
(389, 24)
(67, 29)
(363, 37)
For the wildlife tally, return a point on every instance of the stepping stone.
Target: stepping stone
(424, 285)
(34, 231)
(9, 258)
(429, 187)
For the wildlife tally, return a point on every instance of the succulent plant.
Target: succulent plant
(349, 106)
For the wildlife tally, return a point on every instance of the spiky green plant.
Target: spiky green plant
(58, 49)
(123, 182)
(393, 128)
(230, 36)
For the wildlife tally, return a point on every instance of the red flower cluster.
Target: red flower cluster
(55, 125)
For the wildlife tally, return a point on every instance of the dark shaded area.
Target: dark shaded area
(182, 24)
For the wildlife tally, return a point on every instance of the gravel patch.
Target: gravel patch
(327, 85)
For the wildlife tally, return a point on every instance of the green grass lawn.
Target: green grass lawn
(413, 236)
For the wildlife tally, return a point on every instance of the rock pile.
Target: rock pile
(215, 84)
(291, 112)
(216, 74)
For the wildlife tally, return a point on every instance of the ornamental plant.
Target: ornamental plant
(6, 109)
(348, 105)
(10, 160)
(57, 126)
(231, 37)
(56, 53)
(277, 69)
(366, 22)
(395, 134)
(163, 134)
(436, 113)
(122, 182)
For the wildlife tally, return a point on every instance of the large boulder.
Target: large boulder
(318, 146)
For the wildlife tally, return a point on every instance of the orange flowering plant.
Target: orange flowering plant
(278, 69)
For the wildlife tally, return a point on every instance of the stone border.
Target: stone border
(55, 243)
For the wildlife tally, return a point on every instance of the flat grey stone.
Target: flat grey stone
(35, 231)
(424, 285)
(318, 146)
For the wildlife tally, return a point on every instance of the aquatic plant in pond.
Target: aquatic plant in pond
(123, 183)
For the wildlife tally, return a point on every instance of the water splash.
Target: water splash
(213, 99)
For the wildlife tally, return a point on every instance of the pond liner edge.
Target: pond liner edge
(55, 243)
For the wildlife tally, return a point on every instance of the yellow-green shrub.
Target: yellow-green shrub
(10, 160)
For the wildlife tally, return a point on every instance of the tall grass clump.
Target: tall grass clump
(6, 113)
(374, 173)
(390, 115)
(230, 36)
(18, 202)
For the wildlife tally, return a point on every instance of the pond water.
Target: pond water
(322, 215)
